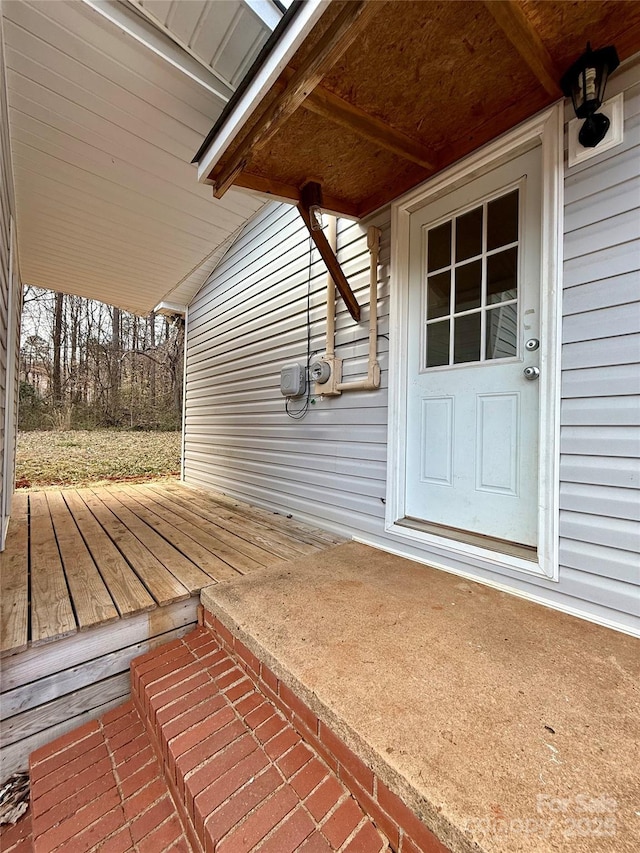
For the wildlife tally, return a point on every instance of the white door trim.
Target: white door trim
(545, 129)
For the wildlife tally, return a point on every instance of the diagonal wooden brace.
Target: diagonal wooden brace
(332, 264)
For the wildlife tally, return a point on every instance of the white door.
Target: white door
(474, 312)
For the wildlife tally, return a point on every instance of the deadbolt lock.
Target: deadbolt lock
(532, 344)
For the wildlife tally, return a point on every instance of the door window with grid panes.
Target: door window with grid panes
(471, 287)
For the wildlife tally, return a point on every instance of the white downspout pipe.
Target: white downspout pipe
(332, 237)
(372, 382)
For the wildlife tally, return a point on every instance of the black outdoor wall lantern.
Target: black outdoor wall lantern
(585, 83)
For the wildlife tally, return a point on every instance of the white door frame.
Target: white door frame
(545, 129)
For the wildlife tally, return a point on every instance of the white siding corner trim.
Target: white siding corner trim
(545, 129)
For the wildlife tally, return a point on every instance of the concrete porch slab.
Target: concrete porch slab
(504, 725)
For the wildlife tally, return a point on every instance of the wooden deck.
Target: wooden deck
(92, 578)
(79, 558)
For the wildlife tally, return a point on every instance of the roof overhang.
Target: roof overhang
(370, 98)
(107, 102)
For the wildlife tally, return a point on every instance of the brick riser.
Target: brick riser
(242, 776)
(402, 827)
(212, 755)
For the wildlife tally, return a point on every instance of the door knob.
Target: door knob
(531, 372)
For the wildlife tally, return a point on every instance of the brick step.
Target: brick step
(199, 760)
(101, 787)
(244, 778)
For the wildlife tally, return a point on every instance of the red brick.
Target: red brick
(126, 735)
(289, 836)
(316, 843)
(295, 759)
(315, 743)
(198, 637)
(175, 676)
(124, 753)
(230, 677)
(407, 845)
(198, 690)
(144, 798)
(42, 784)
(169, 698)
(247, 656)
(408, 821)
(63, 743)
(197, 714)
(347, 757)
(181, 846)
(371, 807)
(94, 834)
(138, 780)
(17, 837)
(162, 837)
(207, 725)
(269, 678)
(259, 823)
(142, 662)
(223, 632)
(150, 820)
(116, 713)
(66, 786)
(281, 743)
(324, 798)
(214, 743)
(121, 842)
(122, 722)
(309, 777)
(219, 764)
(135, 763)
(79, 821)
(273, 726)
(342, 822)
(240, 690)
(299, 707)
(240, 804)
(224, 787)
(366, 840)
(259, 715)
(249, 703)
(220, 664)
(166, 666)
(60, 805)
(55, 764)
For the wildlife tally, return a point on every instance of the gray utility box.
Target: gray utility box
(293, 380)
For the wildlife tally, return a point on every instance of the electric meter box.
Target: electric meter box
(293, 382)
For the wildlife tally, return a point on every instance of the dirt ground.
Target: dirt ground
(80, 457)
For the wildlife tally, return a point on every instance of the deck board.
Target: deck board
(162, 585)
(211, 565)
(14, 581)
(91, 600)
(127, 590)
(77, 559)
(184, 570)
(52, 614)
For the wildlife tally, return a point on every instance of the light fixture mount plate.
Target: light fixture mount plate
(613, 108)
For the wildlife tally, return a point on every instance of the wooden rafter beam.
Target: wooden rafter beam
(331, 262)
(512, 20)
(353, 18)
(334, 108)
(289, 192)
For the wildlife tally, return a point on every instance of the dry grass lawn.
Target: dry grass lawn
(80, 457)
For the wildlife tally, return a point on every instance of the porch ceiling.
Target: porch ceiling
(107, 103)
(381, 95)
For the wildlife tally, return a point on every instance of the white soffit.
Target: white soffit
(103, 130)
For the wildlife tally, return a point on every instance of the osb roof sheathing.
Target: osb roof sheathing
(443, 73)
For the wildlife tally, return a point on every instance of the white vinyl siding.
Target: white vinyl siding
(250, 319)
(10, 298)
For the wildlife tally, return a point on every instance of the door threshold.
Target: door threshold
(490, 543)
